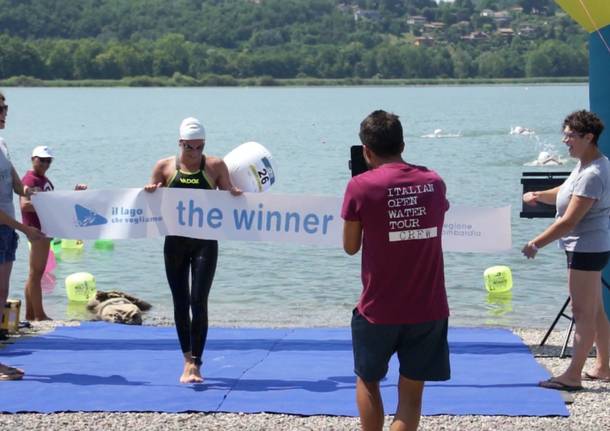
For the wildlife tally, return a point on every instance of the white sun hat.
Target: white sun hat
(42, 151)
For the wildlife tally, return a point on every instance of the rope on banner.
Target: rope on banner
(595, 26)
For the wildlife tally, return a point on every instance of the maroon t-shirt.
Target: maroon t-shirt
(402, 209)
(30, 179)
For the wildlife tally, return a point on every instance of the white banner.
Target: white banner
(479, 230)
(212, 214)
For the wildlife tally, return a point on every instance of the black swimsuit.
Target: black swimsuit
(199, 256)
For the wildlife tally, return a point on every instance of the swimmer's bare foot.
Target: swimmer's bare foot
(10, 373)
(195, 374)
(186, 373)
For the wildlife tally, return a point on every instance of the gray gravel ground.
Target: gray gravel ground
(589, 410)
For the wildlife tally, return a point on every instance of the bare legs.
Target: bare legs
(5, 276)
(6, 372)
(192, 370)
(410, 394)
(601, 369)
(590, 324)
(39, 254)
(370, 405)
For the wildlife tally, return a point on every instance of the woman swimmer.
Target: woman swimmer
(191, 169)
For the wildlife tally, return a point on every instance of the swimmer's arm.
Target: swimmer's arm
(352, 236)
(158, 176)
(577, 208)
(223, 179)
(548, 197)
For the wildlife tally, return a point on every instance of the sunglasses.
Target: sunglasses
(3, 108)
(570, 135)
(190, 147)
(45, 159)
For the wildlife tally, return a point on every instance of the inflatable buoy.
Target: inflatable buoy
(104, 244)
(251, 167)
(51, 262)
(498, 279)
(80, 287)
(72, 244)
(47, 283)
(56, 245)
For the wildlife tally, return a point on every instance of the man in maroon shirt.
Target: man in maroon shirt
(395, 211)
(42, 157)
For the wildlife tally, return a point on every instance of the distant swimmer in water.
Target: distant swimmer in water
(191, 257)
(438, 133)
(546, 159)
(518, 130)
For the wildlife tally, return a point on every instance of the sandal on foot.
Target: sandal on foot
(554, 384)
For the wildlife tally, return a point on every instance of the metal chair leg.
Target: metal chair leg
(559, 315)
(566, 339)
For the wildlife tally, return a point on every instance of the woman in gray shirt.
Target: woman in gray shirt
(582, 228)
(9, 184)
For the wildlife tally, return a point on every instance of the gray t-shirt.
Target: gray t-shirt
(591, 234)
(6, 181)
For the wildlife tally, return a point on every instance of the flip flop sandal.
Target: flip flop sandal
(10, 376)
(554, 384)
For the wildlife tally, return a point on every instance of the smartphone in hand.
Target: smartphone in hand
(357, 164)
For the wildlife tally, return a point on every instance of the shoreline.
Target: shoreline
(588, 408)
(266, 81)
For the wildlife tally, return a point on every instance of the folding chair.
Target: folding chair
(568, 333)
(562, 313)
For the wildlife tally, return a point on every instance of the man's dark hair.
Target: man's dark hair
(584, 122)
(381, 132)
(2, 96)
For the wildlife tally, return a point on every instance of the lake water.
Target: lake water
(111, 138)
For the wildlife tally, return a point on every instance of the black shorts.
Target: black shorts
(422, 349)
(587, 261)
(8, 244)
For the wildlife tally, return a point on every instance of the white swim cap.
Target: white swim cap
(191, 128)
(42, 151)
(543, 156)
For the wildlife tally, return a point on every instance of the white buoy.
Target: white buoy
(251, 167)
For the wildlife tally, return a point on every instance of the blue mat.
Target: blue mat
(106, 367)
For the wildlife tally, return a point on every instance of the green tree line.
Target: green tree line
(113, 39)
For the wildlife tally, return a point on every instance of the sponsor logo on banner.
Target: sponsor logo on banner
(123, 215)
(119, 215)
(87, 217)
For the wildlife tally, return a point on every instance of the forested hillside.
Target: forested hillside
(228, 39)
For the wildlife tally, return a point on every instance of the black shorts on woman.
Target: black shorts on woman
(582, 261)
(196, 258)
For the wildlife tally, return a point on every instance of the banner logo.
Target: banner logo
(87, 217)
